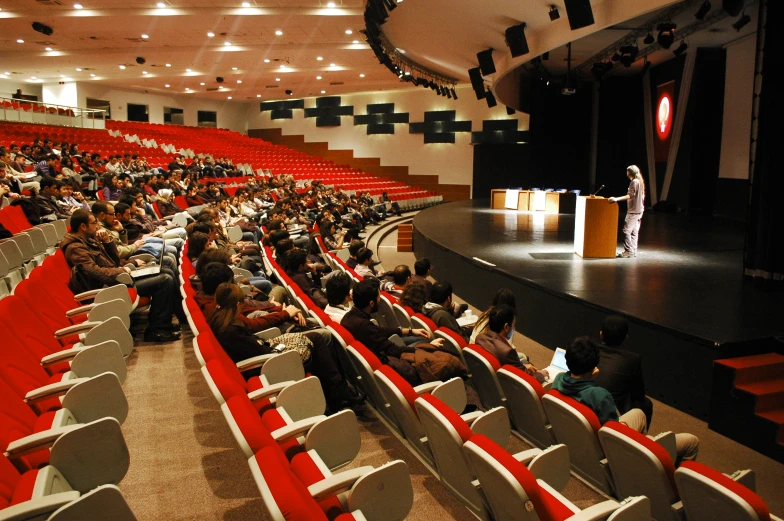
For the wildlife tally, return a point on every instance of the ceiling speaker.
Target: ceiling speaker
(579, 13)
(515, 39)
(486, 63)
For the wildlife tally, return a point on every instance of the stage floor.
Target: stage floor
(687, 278)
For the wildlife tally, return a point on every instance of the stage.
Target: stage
(684, 295)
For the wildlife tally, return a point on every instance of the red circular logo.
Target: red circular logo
(664, 117)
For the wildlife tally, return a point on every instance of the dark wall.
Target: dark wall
(500, 166)
(667, 71)
(559, 136)
(621, 135)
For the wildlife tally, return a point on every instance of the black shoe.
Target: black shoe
(347, 395)
(161, 335)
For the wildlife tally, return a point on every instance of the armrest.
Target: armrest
(268, 391)
(75, 329)
(337, 483)
(667, 440)
(295, 429)
(595, 512)
(254, 362)
(86, 295)
(80, 310)
(47, 391)
(269, 334)
(526, 456)
(37, 441)
(39, 507)
(60, 356)
(426, 388)
(746, 478)
(471, 417)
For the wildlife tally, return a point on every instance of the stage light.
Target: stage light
(645, 67)
(516, 41)
(289, 92)
(616, 57)
(681, 48)
(140, 60)
(554, 14)
(42, 28)
(666, 35)
(454, 93)
(703, 10)
(741, 23)
(219, 79)
(628, 55)
(733, 7)
(599, 69)
(648, 39)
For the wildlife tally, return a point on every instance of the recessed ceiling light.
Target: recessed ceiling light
(319, 58)
(92, 75)
(234, 68)
(202, 83)
(331, 64)
(355, 42)
(331, 5)
(266, 60)
(48, 48)
(245, 4)
(401, 51)
(349, 31)
(122, 67)
(33, 78)
(62, 75)
(239, 81)
(277, 79)
(408, 73)
(145, 36)
(187, 70)
(258, 95)
(279, 33)
(78, 6)
(229, 97)
(220, 86)
(78, 69)
(361, 75)
(161, 4)
(227, 44)
(210, 34)
(144, 72)
(318, 77)
(167, 85)
(168, 64)
(20, 41)
(323, 92)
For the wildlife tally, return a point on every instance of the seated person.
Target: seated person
(365, 263)
(332, 240)
(268, 301)
(339, 296)
(46, 200)
(414, 296)
(215, 274)
(299, 269)
(353, 248)
(421, 272)
(582, 359)
(91, 248)
(440, 309)
(501, 297)
(376, 338)
(620, 370)
(401, 276)
(240, 344)
(496, 339)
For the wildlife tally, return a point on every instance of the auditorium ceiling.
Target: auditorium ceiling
(313, 48)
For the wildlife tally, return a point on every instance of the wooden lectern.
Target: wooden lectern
(595, 227)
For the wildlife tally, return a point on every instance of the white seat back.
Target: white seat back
(525, 406)
(367, 379)
(403, 319)
(708, 497)
(483, 374)
(403, 410)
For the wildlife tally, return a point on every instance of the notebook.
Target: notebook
(557, 365)
(150, 269)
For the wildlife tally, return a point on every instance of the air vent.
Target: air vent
(46, 43)
(136, 40)
(48, 2)
(271, 87)
(213, 89)
(336, 83)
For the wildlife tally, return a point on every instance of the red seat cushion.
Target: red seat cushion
(24, 488)
(533, 382)
(308, 472)
(272, 420)
(492, 360)
(290, 496)
(454, 336)
(754, 501)
(249, 423)
(548, 507)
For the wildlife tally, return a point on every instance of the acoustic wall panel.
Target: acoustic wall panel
(282, 105)
(282, 114)
(381, 118)
(440, 126)
(328, 111)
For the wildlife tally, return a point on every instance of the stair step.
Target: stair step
(751, 369)
(769, 393)
(776, 416)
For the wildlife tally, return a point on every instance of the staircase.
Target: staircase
(747, 402)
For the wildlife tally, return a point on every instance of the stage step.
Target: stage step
(747, 402)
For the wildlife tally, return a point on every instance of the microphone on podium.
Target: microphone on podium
(597, 191)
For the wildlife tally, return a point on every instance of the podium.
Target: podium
(595, 228)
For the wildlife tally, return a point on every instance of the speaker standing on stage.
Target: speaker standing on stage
(634, 210)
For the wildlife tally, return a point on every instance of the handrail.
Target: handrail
(26, 111)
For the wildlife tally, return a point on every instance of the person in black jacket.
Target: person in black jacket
(620, 370)
(240, 344)
(298, 269)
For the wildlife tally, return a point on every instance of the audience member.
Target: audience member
(501, 297)
(401, 276)
(421, 272)
(339, 296)
(414, 296)
(298, 270)
(353, 248)
(439, 308)
(365, 263)
(582, 359)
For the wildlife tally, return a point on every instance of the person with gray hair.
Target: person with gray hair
(634, 209)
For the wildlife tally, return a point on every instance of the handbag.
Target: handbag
(293, 342)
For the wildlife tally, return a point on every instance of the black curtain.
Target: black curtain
(764, 255)
(500, 166)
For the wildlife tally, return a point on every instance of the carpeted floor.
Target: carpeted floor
(185, 464)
